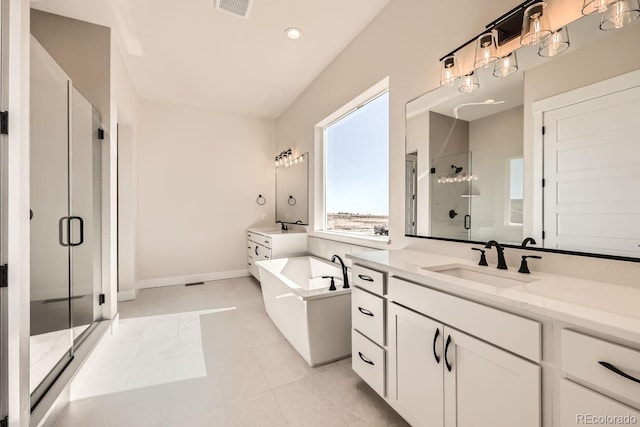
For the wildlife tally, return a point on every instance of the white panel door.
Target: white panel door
(487, 386)
(415, 366)
(592, 175)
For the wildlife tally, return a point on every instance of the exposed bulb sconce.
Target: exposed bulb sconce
(619, 14)
(457, 169)
(596, 6)
(555, 44)
(535, 25)
(506, 65)
(469, 83)
(486, 51)
(286, 159)
(450, 73)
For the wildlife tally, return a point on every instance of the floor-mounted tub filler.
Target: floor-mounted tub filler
(315, 320)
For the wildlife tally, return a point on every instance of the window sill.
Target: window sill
(380, 242)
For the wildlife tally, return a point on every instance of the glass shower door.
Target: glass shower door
(51, 335)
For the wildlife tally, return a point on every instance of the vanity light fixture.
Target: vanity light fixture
(486, 50)
(450, 73)
(535, 24)
(469, 83)
(619, 14)
(293, 33)
(506, 65)
(286, 159)
(596, 6)
(555, 44)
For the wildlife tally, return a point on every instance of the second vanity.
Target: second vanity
(448, 343)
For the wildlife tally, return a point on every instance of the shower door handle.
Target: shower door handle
(81, 221)
(61, 233)
(467, 222)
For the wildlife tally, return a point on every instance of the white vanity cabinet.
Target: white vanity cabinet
(612, 369)
(441, 376)
(263, 244)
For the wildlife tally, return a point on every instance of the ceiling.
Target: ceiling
(190, 53)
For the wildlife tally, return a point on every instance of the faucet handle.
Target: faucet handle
(333, 283)
(483, 258)
(524, 267)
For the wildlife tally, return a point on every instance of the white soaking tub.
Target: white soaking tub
(315, 320)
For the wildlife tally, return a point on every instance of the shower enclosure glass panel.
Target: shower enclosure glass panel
(86, 206)
(51, 336)
(66, 204)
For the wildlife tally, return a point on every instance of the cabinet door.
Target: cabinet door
(415, 366)
(580, 406)
(486, 386)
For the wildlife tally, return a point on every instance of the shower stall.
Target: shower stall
(66, 219)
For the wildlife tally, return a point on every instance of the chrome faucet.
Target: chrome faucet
(345, 278)
(502, 264)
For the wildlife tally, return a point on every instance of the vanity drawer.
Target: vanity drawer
(581, 356)
(367, 315)
(579, 403)
(371, 280)
(368, 361)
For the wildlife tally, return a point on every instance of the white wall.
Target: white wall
(404, 42)
(199, 174)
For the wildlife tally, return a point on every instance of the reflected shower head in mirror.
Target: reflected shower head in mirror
(457, 169)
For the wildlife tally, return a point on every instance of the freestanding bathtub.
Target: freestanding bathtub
(315, 320)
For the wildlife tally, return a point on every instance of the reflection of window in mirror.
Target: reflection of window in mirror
(515, 170)
(356, 157)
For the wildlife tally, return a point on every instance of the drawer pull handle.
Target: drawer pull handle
(266, 257)
(612, 368)
(365, 311)
(435, 340)
(446, 349)
(365, 278)
(266, 241)
(256, 250)
(365, 360)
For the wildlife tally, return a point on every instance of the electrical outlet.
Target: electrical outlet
(264, 217)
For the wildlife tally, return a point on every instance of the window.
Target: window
(356, 172)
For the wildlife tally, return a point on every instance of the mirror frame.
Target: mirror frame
(305, 163)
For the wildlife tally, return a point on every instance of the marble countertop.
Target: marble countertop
(274, 231)
(604, 307)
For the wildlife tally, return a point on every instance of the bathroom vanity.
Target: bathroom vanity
(448, 343)
(269, 243)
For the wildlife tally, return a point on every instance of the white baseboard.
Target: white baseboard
(180, 280)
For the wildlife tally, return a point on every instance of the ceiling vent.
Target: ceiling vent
(240, 8)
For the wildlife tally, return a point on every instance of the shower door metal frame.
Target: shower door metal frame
(4, 151)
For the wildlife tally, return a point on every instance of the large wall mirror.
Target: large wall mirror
(550, 152)
(292, 192)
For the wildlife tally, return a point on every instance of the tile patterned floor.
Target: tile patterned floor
(210, 356)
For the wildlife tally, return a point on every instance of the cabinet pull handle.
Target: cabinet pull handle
(435, 339)
(365, 278)
(446, 349)
(365, 360)
(612, 368)
(256, 250)
(266, 241)
(365, 311)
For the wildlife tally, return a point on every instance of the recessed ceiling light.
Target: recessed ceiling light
(293, 33)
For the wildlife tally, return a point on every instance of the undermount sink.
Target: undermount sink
(487, 275)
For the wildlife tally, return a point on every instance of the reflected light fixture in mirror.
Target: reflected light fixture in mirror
(486, 51)
(469, 83)
(535, 25)
(450, 73)
(595, 6)
(619, 14)
(555, 44)
(506, 65)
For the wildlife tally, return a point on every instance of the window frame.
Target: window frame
(319, 220)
